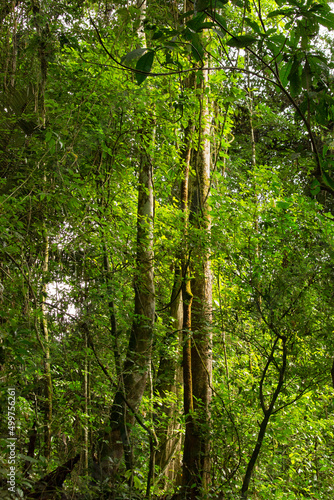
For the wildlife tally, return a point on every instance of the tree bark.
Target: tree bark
(197, 442)
(170, 380)
(201, 358)
(135, 371)
(47, 368)
(266, 411)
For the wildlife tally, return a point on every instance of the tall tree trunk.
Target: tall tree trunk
(86, 396)
(47, 368)
(14, 56)
(43, 35)
(135, 371)
(132, 380)
(197, 442)
(170, 380)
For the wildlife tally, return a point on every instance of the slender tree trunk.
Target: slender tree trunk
(47, 368)
(43, 35)
(86, 395)
(170, 379)
(196, 466)
(111, 306)
(14, 56)
(187, 296)
(266, 411)
(31, 449)
(133, 379)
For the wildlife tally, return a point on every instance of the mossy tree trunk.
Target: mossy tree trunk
(196, 461)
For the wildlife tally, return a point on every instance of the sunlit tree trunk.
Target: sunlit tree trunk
(197, 440)
(188, 465)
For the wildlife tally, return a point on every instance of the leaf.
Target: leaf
(294, 78)
(217, 18)
(283, 204)
(206, 25)
(275, 44)
(144, 64)
(285, 71)
(327, 20)
(197, 48)
(48, 136)
(278, 39)
(320, 7)
(186, 14)
(253, 25)
(202, 5)
(195, 23)
(328, 181)
(281, 12)
(28, 459)
(243, 4)
(219, 32)
(137, 482)
(315, 187)
(134, 54)
(275, 49)
(241, 41)
(324, 150)
(157, 35)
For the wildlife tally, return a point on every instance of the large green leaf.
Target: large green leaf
(327, 20)
(197, 47)
(294, 77)
(201, 5)
(217, 18)
(219, 32)
(275, 44)
(327, 180)
(186, 14)
(144, 64)
(196, 23)
(281, 12)
(241, 41)
(318, 7)
(134, 54)
(315, 187)
(256, 27)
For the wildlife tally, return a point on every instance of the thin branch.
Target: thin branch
(269, 360)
